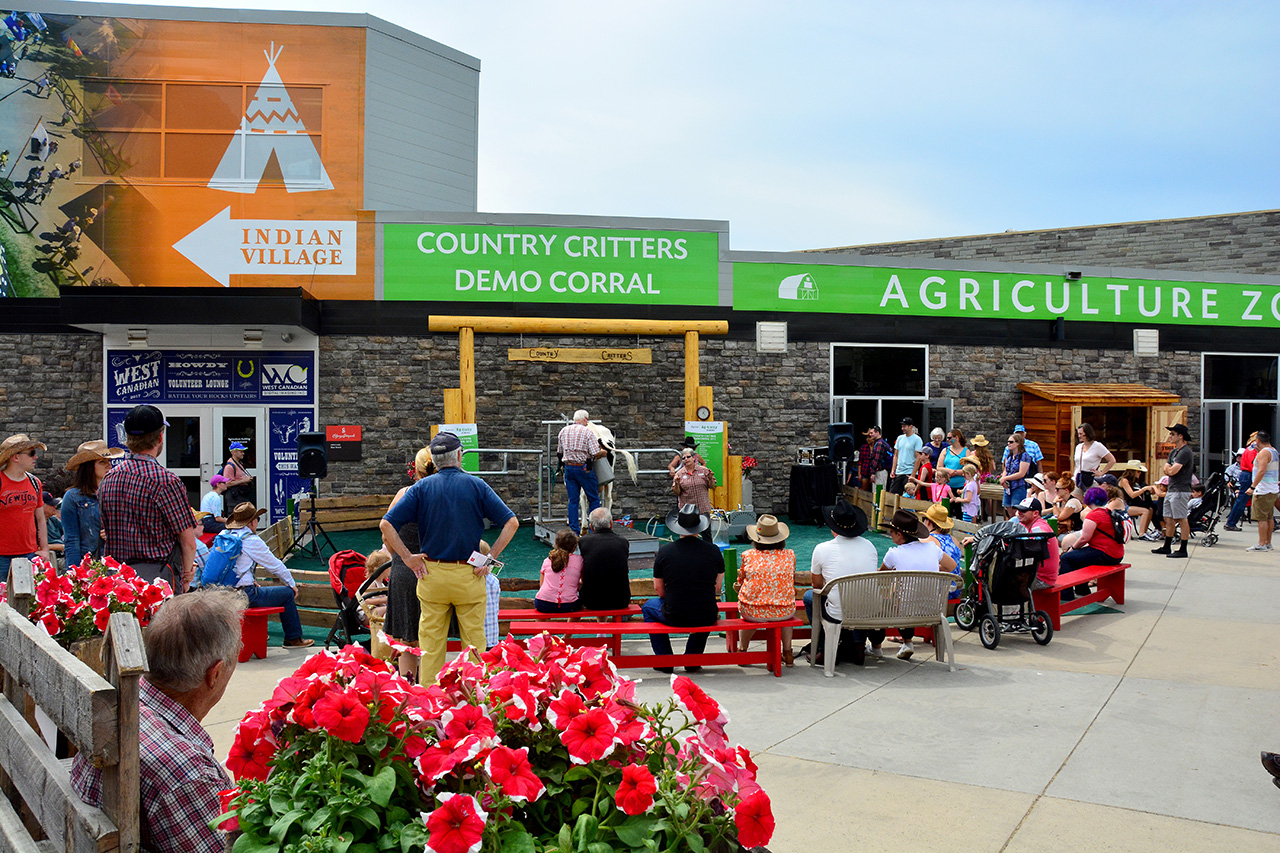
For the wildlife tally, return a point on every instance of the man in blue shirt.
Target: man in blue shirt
(904, 456)
(450, 508)
(1032, 449)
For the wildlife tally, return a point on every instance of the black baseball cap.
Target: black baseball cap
(444, 442)
(144, 419)
(906, 422)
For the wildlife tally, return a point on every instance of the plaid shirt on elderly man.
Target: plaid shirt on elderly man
(144, 509)
(578, 444)
(178, 778)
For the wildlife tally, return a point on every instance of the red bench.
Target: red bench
(613, 632)
(1110, 585)
(253, 631)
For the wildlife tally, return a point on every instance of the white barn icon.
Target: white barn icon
(801, 286)
(270, 125)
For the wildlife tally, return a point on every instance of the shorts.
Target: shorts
(1175, 504)
(1263, 506)
(1015, 493)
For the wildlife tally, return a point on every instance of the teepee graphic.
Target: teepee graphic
(271, 125)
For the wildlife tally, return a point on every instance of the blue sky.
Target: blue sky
(825, 123)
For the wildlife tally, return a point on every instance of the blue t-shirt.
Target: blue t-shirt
(906, 447)
(450, 507)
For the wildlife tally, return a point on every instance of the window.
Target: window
(864, 371)
(1240, 377)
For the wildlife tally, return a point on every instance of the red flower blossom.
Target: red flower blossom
(564, 708)
(635, 792)
(457, 826)
(342, 715)
(511, 770)
(465, 720)
(589, 736)
(250, 759)
(696, 702)
(754, 819)
(231, 824)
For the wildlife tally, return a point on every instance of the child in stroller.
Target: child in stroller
(997, 596)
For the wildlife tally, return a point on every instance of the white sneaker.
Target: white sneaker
(875, 650)
(1258, 548)
(906, 651)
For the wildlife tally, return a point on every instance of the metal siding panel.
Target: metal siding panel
(421, 113)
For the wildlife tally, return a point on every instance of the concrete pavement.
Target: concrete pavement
(1132, 730)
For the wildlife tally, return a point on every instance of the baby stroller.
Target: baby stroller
(346, 575)
(997, 594)
(1218, 497)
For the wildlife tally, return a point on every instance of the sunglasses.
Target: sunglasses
(686, 457)
(32, 452)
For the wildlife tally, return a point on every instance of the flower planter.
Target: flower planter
(90, 652)
(991, 492)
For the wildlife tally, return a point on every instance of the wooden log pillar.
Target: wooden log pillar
(733, 483)
(452, 407)
(690, 375)
(467, 373)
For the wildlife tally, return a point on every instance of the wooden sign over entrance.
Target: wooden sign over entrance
(577, 355)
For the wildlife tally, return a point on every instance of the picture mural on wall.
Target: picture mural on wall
(174, 153)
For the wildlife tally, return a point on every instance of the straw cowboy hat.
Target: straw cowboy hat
(908, 524)
(845, 519)
(16, 444)
(768, 530)
(93, 451)
(685, 521)
(979, 440)
(1131, 465)
(242, 515)
(938, 515)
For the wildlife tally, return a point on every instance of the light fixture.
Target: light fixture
(138, 338)
(287, 337)
(253, 338)
(1072, 275)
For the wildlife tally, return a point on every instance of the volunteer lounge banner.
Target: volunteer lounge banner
(901, 291)
(598, 266)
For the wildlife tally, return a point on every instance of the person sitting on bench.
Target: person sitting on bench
(688, 575)
(1094, 545)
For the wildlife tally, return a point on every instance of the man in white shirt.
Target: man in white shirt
(1264, 487)
(846, 553)
(214, 504)
(904, 456)
(255, 551)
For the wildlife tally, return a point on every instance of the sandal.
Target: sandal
(788, 657)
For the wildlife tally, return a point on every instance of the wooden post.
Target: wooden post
(467, 373)
(733, 483)
(690, 376)
(453, 406)
(125, 660)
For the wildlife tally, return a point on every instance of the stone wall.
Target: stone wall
(1231, 243)
(51, 389)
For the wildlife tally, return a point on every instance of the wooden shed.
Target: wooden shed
(1131, 420)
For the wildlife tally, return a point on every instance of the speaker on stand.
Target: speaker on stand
(840, 447)
(313, 462)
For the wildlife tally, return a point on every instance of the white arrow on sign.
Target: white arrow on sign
(224, 247)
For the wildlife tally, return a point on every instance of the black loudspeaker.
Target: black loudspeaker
(840, 442)
(313, 455)
(1060, 329)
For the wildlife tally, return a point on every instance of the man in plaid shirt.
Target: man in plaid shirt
(874, 459)
(146, 513)
(579, 448)
(192, 646)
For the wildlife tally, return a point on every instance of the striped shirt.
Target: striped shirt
(178, 778)
(145, 509)
(578, 444)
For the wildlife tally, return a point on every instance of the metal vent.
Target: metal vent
(771, 337)
(1146, 342)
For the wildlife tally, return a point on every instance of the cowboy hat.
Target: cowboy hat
(242, 515)
(908, 524)
(845, 519)
(979, 440)
(768, 530)
(687, 521)
(1131, 465)
(95, 451)
(938, 516)
(16, 444)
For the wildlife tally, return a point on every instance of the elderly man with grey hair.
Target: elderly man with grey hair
(192, 646)
(606, 582)
(578, 447)
(450, 508)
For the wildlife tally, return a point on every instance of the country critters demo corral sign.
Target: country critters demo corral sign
(519, 263)
(840, 289)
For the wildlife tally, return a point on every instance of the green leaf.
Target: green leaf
(318, 819)
(681, 810)
(634, 830)
(565, 837)
(584, 831)
(695, 842)
(413, 836)
(343, 842)
(280, 829)
(368, 815)
(363, 847)
(250, 843)
(575, 773)
(281, 803)
(599, 847)
(375, 742)
(515, 839)
(381, 786)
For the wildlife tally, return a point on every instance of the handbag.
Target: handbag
(1084, 479)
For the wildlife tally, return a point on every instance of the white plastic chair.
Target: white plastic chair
(878, 600)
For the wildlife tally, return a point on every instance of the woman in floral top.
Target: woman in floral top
(766, 583)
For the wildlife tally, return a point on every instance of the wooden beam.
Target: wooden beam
(453, 406)
(690, 375)
(581, 355)
(733, 483)
(574, 326)
(467, 373)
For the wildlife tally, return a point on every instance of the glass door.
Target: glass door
(244, 426)
(188, 447)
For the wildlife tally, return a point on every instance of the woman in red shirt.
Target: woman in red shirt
(22, 524)
(1096, 544)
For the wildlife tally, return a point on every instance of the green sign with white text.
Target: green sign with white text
(516, 263)
(821, 288)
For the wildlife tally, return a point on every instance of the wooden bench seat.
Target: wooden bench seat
(1110, 585)
(572, 630)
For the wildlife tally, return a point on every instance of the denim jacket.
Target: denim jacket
(82, 525)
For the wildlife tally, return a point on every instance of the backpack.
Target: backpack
(1033, 467)
(1122, 525)
(220, 565)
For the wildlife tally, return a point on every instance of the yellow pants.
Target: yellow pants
(448, 587)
